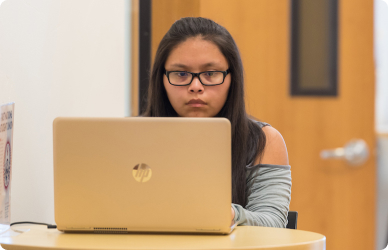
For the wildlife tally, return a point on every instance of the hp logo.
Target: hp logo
(142, 172)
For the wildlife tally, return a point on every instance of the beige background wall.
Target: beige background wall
(58, 58)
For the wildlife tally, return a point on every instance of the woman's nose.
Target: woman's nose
(196, 86)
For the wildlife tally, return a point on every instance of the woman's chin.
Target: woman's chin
(195, 114)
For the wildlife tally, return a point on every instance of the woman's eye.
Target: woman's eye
(210, 73)
(182, 74)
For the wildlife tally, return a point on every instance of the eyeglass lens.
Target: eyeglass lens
(208, 78)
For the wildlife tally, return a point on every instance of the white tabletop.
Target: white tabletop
(244, 237)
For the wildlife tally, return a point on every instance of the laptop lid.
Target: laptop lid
(142, 174)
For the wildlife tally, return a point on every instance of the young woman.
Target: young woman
(198, 73)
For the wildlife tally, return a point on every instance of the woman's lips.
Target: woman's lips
(196, 103)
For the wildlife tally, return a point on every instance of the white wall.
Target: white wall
(58, 58)
(381, 59)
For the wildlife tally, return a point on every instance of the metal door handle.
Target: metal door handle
(355, 152)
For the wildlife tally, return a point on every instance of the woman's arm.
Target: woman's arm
(269, 186)
(269, 197)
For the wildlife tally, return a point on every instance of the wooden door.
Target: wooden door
(331, 197)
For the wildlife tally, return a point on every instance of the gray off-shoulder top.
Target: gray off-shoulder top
(268, 196)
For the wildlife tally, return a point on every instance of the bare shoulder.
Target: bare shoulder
(275, 151)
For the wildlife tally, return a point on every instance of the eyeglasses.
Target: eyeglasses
(207, 78)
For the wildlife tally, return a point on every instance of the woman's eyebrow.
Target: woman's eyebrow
(178, 65)
(210, 64)
(206, 65)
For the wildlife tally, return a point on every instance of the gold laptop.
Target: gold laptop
(119, 175)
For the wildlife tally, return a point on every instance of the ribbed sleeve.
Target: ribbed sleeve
(269, 195)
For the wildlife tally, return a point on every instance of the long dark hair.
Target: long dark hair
(248, 139)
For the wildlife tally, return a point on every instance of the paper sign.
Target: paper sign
(6, 143)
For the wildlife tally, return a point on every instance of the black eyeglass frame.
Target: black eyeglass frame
(225, 73)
